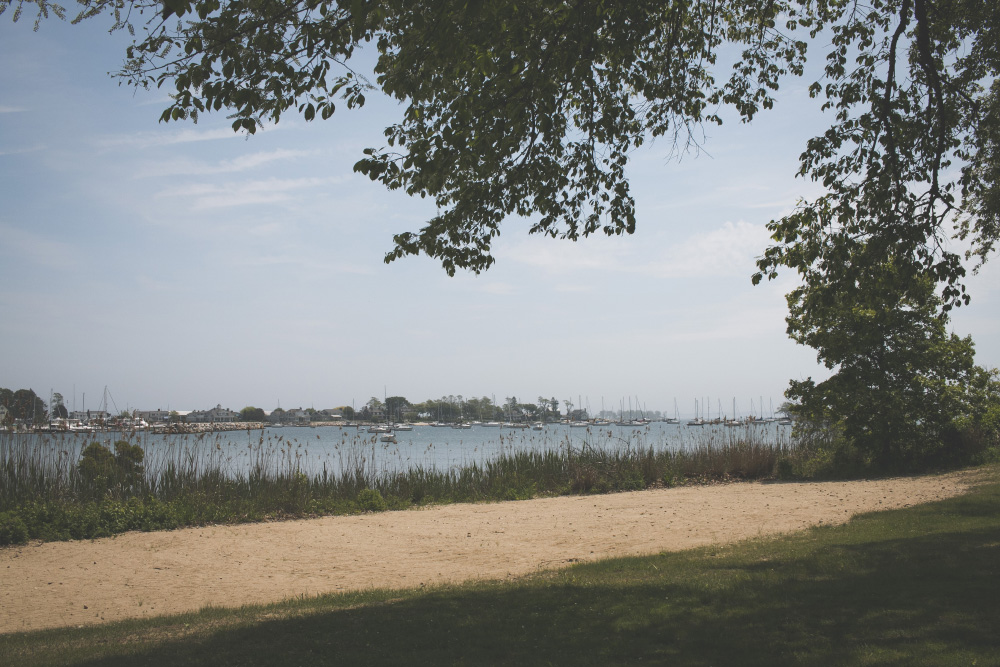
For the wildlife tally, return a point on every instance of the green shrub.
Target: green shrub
(103, 473)
(96, 468)
(633, 481)
(370, 500)
(128, 461)
(12, 529)
(784, 469)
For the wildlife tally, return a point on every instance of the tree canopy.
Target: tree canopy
(912, 157)
(24, 405)
(532, 109)
(902, 380)
(252, 414)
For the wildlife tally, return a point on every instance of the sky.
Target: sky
(182, 266)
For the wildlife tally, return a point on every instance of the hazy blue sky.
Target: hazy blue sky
(183, 266)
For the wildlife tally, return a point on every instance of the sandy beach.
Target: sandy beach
(149, 574)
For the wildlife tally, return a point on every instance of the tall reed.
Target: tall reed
(195, 479)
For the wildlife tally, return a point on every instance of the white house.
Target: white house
(297, 416)
(216, 415)
(154, 416)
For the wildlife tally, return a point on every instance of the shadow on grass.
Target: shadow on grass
(914, 586)
(849, 595)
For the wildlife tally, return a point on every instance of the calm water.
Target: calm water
(336, 449)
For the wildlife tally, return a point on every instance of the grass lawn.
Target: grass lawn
(914, 586)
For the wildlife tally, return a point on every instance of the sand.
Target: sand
(46, 585)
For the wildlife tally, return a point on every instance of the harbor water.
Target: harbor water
(335, 450)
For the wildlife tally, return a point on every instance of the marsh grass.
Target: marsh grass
(915, 586)
(45, 492)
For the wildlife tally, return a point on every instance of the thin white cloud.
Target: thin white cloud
(21, 151)
(501, 289)
(568, 288)
(737, 322)
(8, 109)
(265, 229)
(170, 137)
(301, 263)
(728, 250)
(236, 165)
(159, 100)
(563, 257)
(207, 196)
(37, 249)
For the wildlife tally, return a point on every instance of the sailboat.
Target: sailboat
(386, 430)
(697, 421)
(676, 418)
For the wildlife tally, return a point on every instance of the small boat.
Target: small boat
(78, 427)
(537, 426)
(402, 427)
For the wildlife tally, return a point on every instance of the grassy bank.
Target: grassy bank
(917, 586)
(50, 493)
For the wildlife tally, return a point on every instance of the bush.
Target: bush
(12, 529)
(96, 468)
(128, 460)
(120, 474)
(370, 500)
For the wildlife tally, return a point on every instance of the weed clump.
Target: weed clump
(13, 530)
(370, 500)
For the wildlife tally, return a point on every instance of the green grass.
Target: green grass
(916, 586)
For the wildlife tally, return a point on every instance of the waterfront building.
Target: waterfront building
(216, 415)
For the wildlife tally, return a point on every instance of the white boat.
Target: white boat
(697, 421)
(676, 418)
(402, 427)
(538, 426)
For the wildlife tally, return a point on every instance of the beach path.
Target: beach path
(149, 574)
